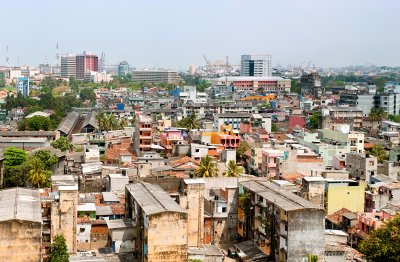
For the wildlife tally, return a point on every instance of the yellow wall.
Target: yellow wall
(350, 197)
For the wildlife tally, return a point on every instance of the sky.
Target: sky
(177, 33)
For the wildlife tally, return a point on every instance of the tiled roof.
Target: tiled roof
(336, 217)
(184, 160)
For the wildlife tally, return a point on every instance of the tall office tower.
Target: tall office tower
(123, 68)
(256, 65)
(22, 85)
(68, 66)
(85, 63)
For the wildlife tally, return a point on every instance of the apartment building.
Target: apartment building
(333, 116)
(353, 140)
(256, 65)
(249, 84)
(310, 84)
(361, 166)
(269, 162)
(143, 138)
(68, 66)
(161, 224)
(171, 137)
(282, 223)
(156, 76)
(233, 119)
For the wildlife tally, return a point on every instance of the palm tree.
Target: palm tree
(207, 168)
(379, 152)
(122, 123)
(190, 122)
(102, 120)
(112, 122)
(234, 170)
(37, 174)
(378, 114)
(133, 120)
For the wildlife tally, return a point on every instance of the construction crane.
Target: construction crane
(207, 61)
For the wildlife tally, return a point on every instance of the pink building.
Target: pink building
(169, 138)
(268, 167)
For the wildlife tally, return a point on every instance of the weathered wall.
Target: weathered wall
(64, 218)
(167, 237)
(195, 208)
(20, 241)
(306, 234)
(350, 197)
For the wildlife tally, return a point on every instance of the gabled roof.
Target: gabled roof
(68, 122)
(153, 199)
(20, 204)
(90, 119)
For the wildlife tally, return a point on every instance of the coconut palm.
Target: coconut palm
(190, 122)
(233, 169)
(378, 114)
(379, 152)
(122, 123)
(37, 174)
(207, 168)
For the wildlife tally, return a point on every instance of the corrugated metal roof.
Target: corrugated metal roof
(90, 119)
(103, 211)
(20, 204)
(68, 122)
(152, 199)
(110, 197)
(281, 197)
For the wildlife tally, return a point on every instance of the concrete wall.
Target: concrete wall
(306, 234)
(167, 237)
(83, 232)
(195, 207)
(64, 218)
(350, 197)
(20, 241)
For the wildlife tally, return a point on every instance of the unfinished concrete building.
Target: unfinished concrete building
(64, 216)
(289, 226)
(20, 225)
(161, 224)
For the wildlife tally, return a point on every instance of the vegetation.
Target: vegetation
(378, 114)
(196, 81)
(2, 80)
(314, 120)
(190, 122)
(242, 148)
(274, 127)
(383, 243)
(379, 152)
(109, 122)
(23, 170)
(36, 123)
(312, 258)
(87, 94)
(395, 118)
(233, 169)
(62, 143)
(295, 86)
(58, 250)
(207, 168)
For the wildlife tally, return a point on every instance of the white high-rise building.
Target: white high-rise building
(68, 66)
(256, 65)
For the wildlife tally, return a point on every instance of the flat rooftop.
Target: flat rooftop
(20, 204)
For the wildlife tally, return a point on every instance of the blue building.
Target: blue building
(123, 68)
(22, 85)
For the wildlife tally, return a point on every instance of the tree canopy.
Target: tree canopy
(233, 169)
(58, 250)
(190, 122)
(62, 143)
(383, 244)
(207, 168)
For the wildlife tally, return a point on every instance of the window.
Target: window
(82, 229)
(197, 150)
(224, 209)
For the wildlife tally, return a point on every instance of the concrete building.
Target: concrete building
(310, 84)
(68, 66)
(123, 68)
(20, 225)
(189, 94)
(233, 119)
(161, 224)
(333, 116)
(361, 166)
(64, 216)
(22, 85)
(365, 101)
(156, 76)
(85, 63)
(249, 84)
(143, 134)
(256, 65)
(389, 102)
(392, 87)
(170, 138)
(297, 225)
(353, 140)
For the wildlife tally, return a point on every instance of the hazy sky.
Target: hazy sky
(175, 34)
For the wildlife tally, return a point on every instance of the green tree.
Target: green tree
(295, 86)
(37, 123)
(233, 169)
(87, 94)
(48, 159)
(383, 243)
(378, 114)
(379, 152)
(58, 250)
(207, 168)
(2, 80)
(62, 143)
(122, 123)
(314, 120)
(37, 172)
(312, 258)
(242, 149)
(14, 157)
(14, 168)
(190, 122)
(274, 127)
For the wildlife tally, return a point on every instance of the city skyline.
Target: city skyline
(176, 35)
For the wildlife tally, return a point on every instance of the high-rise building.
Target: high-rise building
(68, 66)
(123, 68)
(85, 63)
(22, 85)
(256, 65)
(310, 84)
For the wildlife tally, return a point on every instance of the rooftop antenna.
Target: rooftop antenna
(57, 56)
(7, 57)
